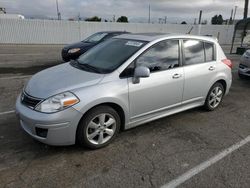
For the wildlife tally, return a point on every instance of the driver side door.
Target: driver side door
(163, 89)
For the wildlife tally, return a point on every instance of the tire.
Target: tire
(98, 127)
(214, 99)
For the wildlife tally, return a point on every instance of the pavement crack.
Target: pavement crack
(25, 169)
(151, 173)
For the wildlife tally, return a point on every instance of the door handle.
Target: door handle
(175, 76)
(211, 68)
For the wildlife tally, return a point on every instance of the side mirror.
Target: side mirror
(140, 72)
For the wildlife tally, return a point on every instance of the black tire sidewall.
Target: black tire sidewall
(81, 131)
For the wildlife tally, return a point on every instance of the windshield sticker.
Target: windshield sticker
(134, 43)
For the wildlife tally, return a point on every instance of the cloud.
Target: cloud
(133, 9)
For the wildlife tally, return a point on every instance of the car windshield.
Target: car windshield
(96, 37)
(109, 55)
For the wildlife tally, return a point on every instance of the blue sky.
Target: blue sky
(135, 10)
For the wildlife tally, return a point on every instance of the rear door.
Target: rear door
(199, 68)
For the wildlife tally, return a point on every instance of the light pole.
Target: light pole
(200, 15)
(235, 9)
(149, 13)
(57, 10)
(245, 9)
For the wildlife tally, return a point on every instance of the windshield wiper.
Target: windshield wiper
(88, 67)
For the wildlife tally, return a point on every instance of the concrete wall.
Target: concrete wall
(13, 31)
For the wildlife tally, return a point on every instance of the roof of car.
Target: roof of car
(154, 36)
(113, 32)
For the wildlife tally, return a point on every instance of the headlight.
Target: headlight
(57, 103)
(74, 50)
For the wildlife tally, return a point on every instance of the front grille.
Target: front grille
(29, 101)
(242, 66)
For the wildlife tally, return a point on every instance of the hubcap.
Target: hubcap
(215, 97)
(101, 128)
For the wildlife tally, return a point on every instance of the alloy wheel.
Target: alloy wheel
(215, 97)
(101, 128)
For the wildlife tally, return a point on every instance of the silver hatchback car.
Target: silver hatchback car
(121, 83)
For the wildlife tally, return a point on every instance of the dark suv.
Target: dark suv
(73, 51)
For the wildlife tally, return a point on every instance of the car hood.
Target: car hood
(81, 45)
(58, 79)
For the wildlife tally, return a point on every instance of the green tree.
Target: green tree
(122, 19)
(217, 20)
(220, 20)
(93, 19)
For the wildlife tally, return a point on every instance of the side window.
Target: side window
(194, 52)
(162, 56)
(209, 51)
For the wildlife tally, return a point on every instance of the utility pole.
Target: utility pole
(235, 9)
(165, 19)
(195, 21)
(57, 9)
(149, 14)
(79, 16)
(230, 21)
(200, 17)
(245, 9)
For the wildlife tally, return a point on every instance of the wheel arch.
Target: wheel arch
(224, 84)
(117, 107)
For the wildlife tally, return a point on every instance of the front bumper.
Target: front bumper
(244, 71)
(60, 127)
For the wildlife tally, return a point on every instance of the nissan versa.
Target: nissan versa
(121, 83)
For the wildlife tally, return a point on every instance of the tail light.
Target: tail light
(228, 63)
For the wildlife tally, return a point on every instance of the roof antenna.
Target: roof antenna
(190, 30)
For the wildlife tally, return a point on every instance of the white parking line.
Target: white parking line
(194, 171)
(15, 77)
(7, 112)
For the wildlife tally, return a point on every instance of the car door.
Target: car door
(164, 87)
(199, 68)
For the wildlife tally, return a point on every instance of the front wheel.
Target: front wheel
(98, 127)
(214, 96)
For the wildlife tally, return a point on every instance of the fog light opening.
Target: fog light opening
(41, 132)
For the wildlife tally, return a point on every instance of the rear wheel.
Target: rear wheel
(98, 127)
(214, 97)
